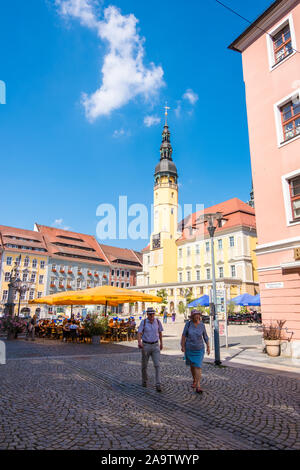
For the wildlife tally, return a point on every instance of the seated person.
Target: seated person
(73, 329)
(66, 330)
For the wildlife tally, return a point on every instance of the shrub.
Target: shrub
(96, 326)
(273, 331)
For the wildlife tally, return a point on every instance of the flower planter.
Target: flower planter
(95, 339)
(273, 347)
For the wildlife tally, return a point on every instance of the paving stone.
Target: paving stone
(54, 398)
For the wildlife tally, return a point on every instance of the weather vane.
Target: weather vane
(166, 111)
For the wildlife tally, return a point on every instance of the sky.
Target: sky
(86, 85)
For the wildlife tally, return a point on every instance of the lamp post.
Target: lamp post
(213, 221)
(12, 289)
(15, 285)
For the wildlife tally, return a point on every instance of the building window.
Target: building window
(41, 279)
(9, 260)
(198, 275)
(122, 285)
(220, 244)
(123, 273)
(112, 272)
(180, 277)
(295, 197)
(188, 276)
(231, 241)
(111, 283)
(23, 295)
(31, 294)
(282, 43)
(207, 247)
(39, 295)
(6, 277)
(197, 250)
(117, 284)
(180, 253)
(208, 273)
(34, 263)
(25, 277)
(128, 285)
(188, 251)
(26, 262)
(32, 277)
(118, 273)
(290, 118)
(233, 274)
(42, 264)
(4, 295)
(221, 272)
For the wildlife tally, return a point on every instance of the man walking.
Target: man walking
(150, 342)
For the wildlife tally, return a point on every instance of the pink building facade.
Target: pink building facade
(270, 50)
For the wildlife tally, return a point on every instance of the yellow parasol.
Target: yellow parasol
(104, 295)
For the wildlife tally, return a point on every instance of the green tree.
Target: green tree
(230, 308)
(164, 295)
(188, 296)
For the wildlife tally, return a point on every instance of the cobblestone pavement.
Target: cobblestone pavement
(85, 397)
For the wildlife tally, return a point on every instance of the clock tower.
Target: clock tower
(163, 249)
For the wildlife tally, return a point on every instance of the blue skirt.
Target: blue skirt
(194, 357)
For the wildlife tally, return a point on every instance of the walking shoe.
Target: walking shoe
(158, 388)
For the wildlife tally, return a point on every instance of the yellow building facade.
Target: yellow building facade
(25, 250)
(179, 260)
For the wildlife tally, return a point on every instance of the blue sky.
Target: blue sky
(66, 149)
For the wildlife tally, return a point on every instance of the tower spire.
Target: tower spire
(166, 113)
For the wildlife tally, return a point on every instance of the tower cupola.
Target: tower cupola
(166, 167)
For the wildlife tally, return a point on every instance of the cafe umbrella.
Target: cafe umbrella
(103, 295)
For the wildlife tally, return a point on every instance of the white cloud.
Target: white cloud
(178, 109)
(118, 133)
(190, 96)
(57, 222)
(151, 121)
(124, 74)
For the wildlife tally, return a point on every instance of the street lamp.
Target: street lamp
(15, 285)
(214, 220)
(12, 289)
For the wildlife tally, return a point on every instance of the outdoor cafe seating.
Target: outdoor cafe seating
(80, 335)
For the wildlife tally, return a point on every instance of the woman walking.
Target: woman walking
(192, 344)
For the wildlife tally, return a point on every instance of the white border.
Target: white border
(286, 197)
(270, 48)
(277, 106)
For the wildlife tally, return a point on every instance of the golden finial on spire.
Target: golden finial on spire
(166, 112)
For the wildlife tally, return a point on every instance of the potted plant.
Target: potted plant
(95, 326)
(12, 326)
(272, 337)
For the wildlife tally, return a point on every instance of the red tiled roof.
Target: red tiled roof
(234, 211)
(22, 237)
(114, 253)
(64, 243)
